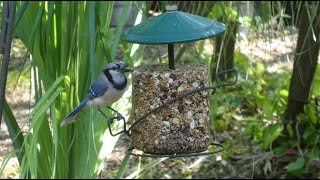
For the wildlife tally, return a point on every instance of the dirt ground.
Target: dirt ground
(279, 50)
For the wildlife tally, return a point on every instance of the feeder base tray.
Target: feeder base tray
(180, 154)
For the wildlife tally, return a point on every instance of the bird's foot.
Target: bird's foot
(110, 119)
(119, 116)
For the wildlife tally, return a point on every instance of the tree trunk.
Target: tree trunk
(305, 64)
(227, 52)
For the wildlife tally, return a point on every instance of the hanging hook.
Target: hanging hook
(171, 7)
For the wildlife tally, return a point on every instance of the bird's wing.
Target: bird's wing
(98, 87)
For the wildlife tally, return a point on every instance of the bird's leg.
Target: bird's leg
(119, 116)
(109, 119)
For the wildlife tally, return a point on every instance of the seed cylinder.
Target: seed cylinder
(182, 126)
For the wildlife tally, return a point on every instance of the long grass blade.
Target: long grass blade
(92, 42)
(119, 28)
(6, 160)
(14, 130)
(123, 166)
(73, 57)
(22, 9)
(144, 169)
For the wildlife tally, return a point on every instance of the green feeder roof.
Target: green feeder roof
(173, 27)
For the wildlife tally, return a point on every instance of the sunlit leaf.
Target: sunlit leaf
(284, 92)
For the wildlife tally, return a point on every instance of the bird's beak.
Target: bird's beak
(126, 70)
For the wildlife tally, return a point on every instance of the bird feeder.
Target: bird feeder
(170, 106)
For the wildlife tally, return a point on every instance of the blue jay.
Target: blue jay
(104, 91)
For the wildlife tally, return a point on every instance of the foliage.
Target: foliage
(223, 11)
(316, 83)
(257, 103)
(66, 39)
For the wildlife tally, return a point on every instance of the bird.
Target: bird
(107, 89)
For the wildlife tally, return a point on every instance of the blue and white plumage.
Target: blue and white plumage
(104, 91)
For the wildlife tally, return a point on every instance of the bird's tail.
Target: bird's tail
(73, 115)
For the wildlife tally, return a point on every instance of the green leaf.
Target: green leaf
(290, 130)
(284, 92)
(221, 9)
(92, 38)
(268, 108)
(297, 165)
(310, 111)
(270, 134)
(20, 12)
(39, 143)
(241, 59)
(316, 83)
(279, 150)
(221, 110)
(259, 70)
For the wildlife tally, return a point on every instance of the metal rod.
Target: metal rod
(4, 26)
(171, 56)
(6, 56)
(176, 155)
(110, 121)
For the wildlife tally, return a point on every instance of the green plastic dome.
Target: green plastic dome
(173, 27)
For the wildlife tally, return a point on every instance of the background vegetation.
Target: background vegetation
(268, 129)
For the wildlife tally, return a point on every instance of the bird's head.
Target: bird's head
(115, 68)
